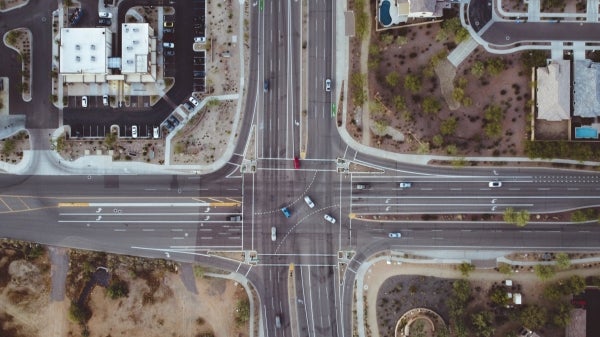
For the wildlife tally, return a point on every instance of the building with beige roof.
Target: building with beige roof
(553, 93)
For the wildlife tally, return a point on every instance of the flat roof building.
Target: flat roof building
(83, 54)
(138, 62)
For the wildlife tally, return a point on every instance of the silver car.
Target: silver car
(273, 233)
(309, 202)
(329, 218)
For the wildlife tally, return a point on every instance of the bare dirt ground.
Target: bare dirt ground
(412, 51)
(394, 289)
(158, 302)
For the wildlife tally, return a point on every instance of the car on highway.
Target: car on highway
(495, 184)
(309, 202)
(84, 101)
(286, 212)
(105, 15)
(168, 45)
(362, 186)
(168, 24)
(193, 100)
(405, 184)
(105, 100)
(278, 322)
(329, 218)
(296, 163)
(104, 22)
(234, 218)
(134, 131)
(328, 84)
(395, 235)
(273, 233)
(266, 86)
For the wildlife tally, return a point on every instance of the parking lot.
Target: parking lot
(98, 130)
(199, 71)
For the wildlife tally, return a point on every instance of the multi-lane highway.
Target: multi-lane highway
(186, 217)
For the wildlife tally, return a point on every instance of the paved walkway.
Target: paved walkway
(462, 51)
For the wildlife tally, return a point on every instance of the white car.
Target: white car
(329, 218)
(405, 185)
(156, 132)
(200, 39)
(134, 131)
(105, 15)
(395, 235)
(328, 85)
(193, 101)
(84, 101)
(105, 100)
(168, 45)
(309, 202)
(495, 184)
(273, 234)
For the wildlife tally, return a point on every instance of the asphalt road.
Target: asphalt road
(185, 217)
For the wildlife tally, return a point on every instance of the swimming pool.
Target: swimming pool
(586, 132)
(384, 13)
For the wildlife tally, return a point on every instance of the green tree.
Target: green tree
(412, 83)
(533, 317)
(505, 268)
(544, 272)
(461, 35)
(392, 79)
(8, 147)
(437, 140)
(79, 315)
(448, 127)
(362, 19)
(242, 312)
(562, 317)
(534, 58)
(110, 140)
(478, 69)
(117, 289)
(399, 103)
(523, 218)
(357, 84)
(431, 105)
(465, 268)
(499, 296)
(451, 149)
(575, 285)
(483, 323)
(562, 260)
(495, 66)
(492, 118)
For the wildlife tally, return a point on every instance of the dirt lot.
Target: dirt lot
(453, 123)
(399, 288)
(157, 302)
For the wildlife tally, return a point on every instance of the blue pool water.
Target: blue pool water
(384, 13)
(586, 132)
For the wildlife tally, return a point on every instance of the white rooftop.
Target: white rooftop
(586, 102)
(553, 96)
(84, 50)
(135, 48)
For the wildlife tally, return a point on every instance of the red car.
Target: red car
(296, 163)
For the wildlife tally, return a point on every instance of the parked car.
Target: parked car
(200, 39)
(405, 185)
(193, 100)
(156, 132)
(105, 100)
(104, 22)
(170, 52)
(134, 131)
(309, 202)
(273, 234)
(169, 30)
(106, 15)
(84, 101)
(395, 235)
(168, 45)
(296, 163)
(168, 24)
(329, 218)
(286, 212)
(495, 184)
